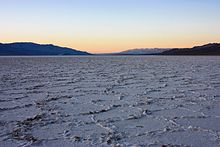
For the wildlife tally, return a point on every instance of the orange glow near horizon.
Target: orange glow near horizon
(113, 44)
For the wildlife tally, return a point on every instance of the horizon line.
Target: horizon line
(108, 52)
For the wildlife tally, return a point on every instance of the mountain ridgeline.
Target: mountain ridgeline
(142, 51)
(208, 49)
(33, 49)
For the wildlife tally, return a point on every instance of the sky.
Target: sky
(103, 26)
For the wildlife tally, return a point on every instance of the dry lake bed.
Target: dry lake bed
(110, 101)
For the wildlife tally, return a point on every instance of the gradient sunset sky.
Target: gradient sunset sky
(102, 26)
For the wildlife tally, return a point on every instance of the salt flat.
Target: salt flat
(110, 101)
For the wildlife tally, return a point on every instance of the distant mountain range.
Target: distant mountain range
(208, 49)
(28, 48)
(142, 51)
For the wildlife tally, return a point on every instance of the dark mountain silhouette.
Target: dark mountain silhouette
(208, 49)
(28, 48)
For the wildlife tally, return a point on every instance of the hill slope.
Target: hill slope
(27, 48)
(208, 49)
(142, 51)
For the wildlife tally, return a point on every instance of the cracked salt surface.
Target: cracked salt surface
(110, 101)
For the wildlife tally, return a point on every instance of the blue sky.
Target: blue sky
(111, 25)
